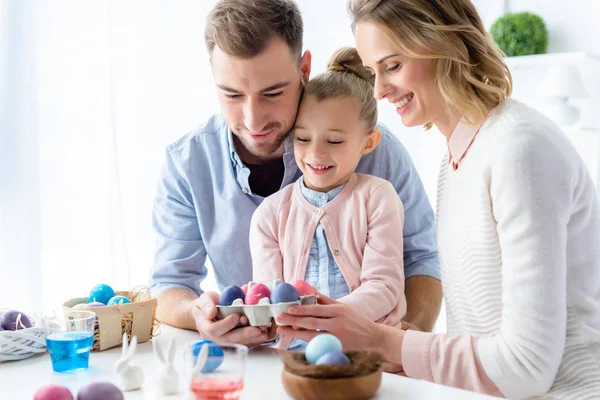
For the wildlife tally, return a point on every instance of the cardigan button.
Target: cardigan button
(336, 252)
(318, 211)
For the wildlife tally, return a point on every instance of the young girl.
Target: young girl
(338, 230)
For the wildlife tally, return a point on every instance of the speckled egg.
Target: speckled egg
(118, 300)
(100, 391)
(334, 357)
(320, 345)
(284, 293)
(215, 354)
(229, 294)
(101, 293)
(304, 288)
(257, 292)
(53, 392)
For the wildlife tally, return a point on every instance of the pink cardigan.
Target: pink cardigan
(363, 225)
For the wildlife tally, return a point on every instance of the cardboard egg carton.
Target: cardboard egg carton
(262, 313)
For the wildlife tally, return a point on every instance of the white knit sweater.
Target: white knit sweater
(519, 246)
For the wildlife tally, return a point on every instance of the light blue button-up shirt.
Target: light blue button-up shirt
(204, 205)
(322, 272)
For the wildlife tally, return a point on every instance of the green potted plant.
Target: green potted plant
(520, 34)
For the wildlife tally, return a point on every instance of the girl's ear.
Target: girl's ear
(372, 141)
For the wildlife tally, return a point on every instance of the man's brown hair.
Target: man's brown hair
(243, 28)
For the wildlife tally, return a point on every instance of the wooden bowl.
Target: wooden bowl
(354, 388)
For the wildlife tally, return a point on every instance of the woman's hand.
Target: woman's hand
(354, 330)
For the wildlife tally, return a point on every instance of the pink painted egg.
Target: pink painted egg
(245, 288)
(304, 288)
(257, 292)
(53, 392)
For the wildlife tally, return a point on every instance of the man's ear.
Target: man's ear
(372, 141)
(305, 66)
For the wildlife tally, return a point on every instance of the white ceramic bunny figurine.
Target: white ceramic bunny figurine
(168, 380)
(129, 376)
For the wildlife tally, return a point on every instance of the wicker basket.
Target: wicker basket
(23, 343)
(136, 319)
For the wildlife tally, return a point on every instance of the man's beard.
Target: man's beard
(265, 149)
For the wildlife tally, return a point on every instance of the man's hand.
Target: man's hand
(232, 329)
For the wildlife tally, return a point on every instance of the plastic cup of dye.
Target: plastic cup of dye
(70, 340)
(221, 375)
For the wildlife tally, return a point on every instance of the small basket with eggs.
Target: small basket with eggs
(131, 312)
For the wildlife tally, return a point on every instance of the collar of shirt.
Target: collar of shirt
(319, 199)
(460, 141)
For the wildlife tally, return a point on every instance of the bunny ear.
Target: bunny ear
(124, 351)
(132, 346)
(172, 349)
(158, 351)
(202, 359)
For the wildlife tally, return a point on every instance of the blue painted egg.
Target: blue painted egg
(215, 354)
(101, 293)
(321, 344)
(284, 293)
(334, 357)
(118, 300)
(229, 294)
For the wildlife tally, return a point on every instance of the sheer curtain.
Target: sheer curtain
(91, 92)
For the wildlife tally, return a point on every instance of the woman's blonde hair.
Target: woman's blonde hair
(470, 72)
(346, 77)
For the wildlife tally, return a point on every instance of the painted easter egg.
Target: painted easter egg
(101, 293)
(53, 392)
(304, 288)
(320, 345)
(215, 354)
(118, 300)
(229, 294)
(257, 292)
(100, 391)
(284, 293)
(335, 358)
(14, 320)
(89, 305)
(245, 288)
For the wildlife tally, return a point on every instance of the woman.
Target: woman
(518, 216)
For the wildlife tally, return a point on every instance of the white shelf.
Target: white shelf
(549, 59)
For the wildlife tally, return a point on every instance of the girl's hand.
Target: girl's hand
(354, 330)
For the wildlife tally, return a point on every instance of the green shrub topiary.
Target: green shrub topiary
(520, 34)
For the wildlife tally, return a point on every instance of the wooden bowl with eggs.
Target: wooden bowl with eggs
(361, 380)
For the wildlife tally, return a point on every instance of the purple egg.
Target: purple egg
(334, 357)
(100, 391)
(1, 328)
(14, 320)
(53, 392)
(229, 294)
(284, 293)
(95, 304)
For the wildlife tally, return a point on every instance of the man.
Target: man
(216, 176)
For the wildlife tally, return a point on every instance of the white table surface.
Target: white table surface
(20, 379)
